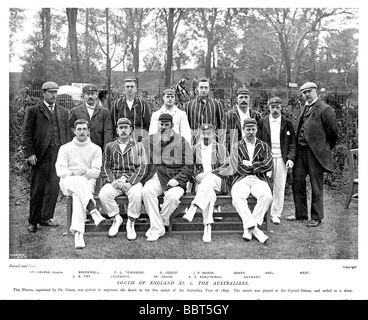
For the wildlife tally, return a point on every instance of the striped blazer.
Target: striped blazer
(219, 158)
(261, 162)
(211, 112)
(131, 164)
(139, 115)
(234, 127)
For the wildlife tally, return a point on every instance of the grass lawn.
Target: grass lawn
(335, 238)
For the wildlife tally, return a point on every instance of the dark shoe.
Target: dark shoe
(49, 223)
(32, 228)
(313, 223)
(294, 218)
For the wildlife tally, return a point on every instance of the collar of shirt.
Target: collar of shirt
(170, 111)
(242, 114)
(204, 147)
(49, 106)
(272, 119)
(90, 107)
(314, 100)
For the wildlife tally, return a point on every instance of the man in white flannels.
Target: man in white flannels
(123, 167)
(208, 155)
(78, 166)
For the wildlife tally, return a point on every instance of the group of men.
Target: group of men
(173, 151)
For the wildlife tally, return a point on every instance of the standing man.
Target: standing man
(204, 109)
(235, 117)
(137, 110)
(316, 134)
(278, 132)
(180, 119)
(250, 162)
(124, 165)
(99, 118)
(194, 86)
(46, 128)
(170, 168)
(208, 155)
(78, 166)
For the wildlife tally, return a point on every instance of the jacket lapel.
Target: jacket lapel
(44, 110)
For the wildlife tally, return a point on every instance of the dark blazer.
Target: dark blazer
(171, 160)
(321, 131)
(287, 136)
(100, 124)
(37, 129)
(233, 126)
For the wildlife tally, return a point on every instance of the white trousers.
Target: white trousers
(279, 181)
(160, 218)
(108, 194)
(81, 189)
(205, 197)
(260, 190)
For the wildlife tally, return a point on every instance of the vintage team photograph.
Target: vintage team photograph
(183, 133)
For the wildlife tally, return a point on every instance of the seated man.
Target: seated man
(208, 155)
(170, 168)
(78, 166)
(250, 161)
(123, 167)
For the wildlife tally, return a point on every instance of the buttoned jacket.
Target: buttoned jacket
(320, 131)
(37, 129)
(100, 124)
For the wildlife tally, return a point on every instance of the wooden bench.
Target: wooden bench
(225, 222)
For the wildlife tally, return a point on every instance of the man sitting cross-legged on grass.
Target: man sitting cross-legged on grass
(78, 166)
(208, 155)
(249, 163)
(123, 167)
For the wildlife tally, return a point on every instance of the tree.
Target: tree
(213, 25)
(296, 29)
(72, 14)
(136, 29)
(171, 18)
(15, 23)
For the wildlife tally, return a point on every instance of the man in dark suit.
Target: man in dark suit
(278, 132)
(235, 117)
(98, 117)
(316, 134)
(46, 128)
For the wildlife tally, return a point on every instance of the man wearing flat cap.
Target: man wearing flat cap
(235, 117)
(316, 135)
(46, 128)
(249, 164)
(98, 116)
(180, 119)
(204, 109)
(135, 108)
(278, 132)
(208, 155)
(124, 165)
(170, 162)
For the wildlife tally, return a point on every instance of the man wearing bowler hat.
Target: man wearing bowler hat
(170, 162)
(46, 128)
(250, 162)
(180, 119)
(235, 117)
(278, 132)
(316, 135)
(123, 167)
(98, 116)
(136, 109)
